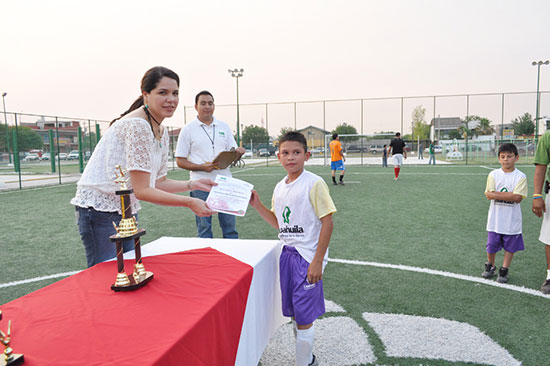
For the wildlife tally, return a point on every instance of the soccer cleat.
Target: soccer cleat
(502, 275)
(314, 362)
(341, 183)
(334, 183)
(489, 270)
(545, 288)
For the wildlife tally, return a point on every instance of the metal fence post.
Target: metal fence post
(80, 158)
(52, 151)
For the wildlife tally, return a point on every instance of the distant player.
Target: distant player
(397, 150)
(302, 212)
(337, 159)
(385, 156)
(506, 187)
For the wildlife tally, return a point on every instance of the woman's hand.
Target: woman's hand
(200, 208)
(203, 184)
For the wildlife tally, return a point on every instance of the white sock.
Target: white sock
(304, 346)
(548, 274)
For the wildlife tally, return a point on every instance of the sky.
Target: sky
(86, 59)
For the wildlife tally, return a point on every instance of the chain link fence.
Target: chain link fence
(56, 149)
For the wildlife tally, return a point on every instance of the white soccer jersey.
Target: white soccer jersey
(505, 217)
(299, 206)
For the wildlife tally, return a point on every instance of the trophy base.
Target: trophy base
(133, 284)
(17, 359)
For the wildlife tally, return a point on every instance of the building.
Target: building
(67, 130)
(315, 136)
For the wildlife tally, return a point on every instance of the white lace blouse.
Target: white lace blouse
(129, 143)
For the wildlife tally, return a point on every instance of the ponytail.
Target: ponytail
(137, 103)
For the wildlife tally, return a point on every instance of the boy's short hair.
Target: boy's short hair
(398, 134)
(508, 148)
(294, 136)
(334, 136)
(385, 145)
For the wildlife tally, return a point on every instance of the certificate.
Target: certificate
(230, 196)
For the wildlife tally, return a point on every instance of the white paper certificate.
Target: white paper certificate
(230, 196)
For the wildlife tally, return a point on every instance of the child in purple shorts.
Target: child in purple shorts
(302, 212)
(506, 187)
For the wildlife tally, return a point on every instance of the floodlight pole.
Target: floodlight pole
(6, 122)
(537, 112)
(237, 73)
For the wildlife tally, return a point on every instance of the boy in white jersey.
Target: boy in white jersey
(506, 187)
(302, 212)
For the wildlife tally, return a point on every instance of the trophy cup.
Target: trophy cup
(10, 358)
(127, 230)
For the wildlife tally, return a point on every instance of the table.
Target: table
(212, 302)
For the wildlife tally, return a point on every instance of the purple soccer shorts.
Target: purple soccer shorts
(510, 243)
(302, 300)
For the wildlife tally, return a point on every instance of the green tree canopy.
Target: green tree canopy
(455, 134)
(256, 134)
(345, 129)
(421, 130)
(284, 130)
(27, 139)
(483, 128)
(523, 125)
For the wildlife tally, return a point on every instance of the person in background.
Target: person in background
(397, 149)
(385, 157)
(337, 159)
(431, 151)
(138, 143)
(199, 142)
(421, 151)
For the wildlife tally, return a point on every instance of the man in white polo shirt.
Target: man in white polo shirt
(199, 142)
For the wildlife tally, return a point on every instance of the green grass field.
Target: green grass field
(433, 218)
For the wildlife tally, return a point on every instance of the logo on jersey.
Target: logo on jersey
(504, 189)
(286, 215)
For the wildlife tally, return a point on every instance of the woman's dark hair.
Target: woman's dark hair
(149, 82)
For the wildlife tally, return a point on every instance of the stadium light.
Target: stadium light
(6, 122)
(237, 73)
(538, 65)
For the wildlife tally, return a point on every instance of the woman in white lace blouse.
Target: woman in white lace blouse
(137, 142)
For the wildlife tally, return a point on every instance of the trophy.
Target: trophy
(10, 358)
(127, 230)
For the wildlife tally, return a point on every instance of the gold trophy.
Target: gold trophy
(10, 358)
(127, 230)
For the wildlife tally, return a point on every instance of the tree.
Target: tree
(284, 130)
(455, 134)
(27, 139)
(421, 130)
(256, 134)
(345, 129)
(523, 125)
(467, 126)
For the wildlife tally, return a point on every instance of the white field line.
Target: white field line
(401, 267)
(36, 279)
(241, 170)
(486, 167)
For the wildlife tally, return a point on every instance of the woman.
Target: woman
(138, 143)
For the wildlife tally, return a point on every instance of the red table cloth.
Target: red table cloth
(191, 313)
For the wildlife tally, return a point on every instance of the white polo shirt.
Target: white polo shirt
(201, 143)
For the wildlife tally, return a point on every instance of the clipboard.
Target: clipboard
(226, 158)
